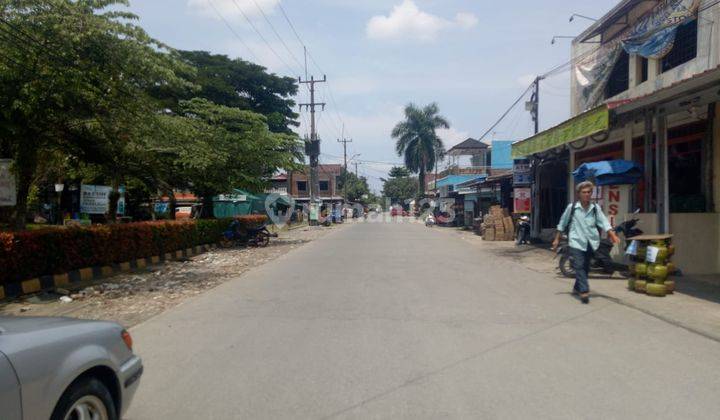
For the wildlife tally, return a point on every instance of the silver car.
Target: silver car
(62, 368)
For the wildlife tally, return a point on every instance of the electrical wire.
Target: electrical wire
(277, 35)
(247, 47)
(264, 40)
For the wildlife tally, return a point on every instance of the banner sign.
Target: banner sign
(522, 176)
(522, 202)
(8, 189)
(94, 199)
(654, 35)
(584, 125)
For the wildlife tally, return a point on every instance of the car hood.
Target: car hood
(11, 324)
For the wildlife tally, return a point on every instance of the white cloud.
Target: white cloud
(466, 20)
(231, 9)
(407, 21)
(452, 136)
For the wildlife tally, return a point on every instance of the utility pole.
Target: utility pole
(344, 141)
(312, 148)
(356, 170)
(534, 104)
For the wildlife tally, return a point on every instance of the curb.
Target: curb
(85, 275)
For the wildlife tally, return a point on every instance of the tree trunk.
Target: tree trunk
(114, 197)
(26, 164)
(207, 207)
(172, 205)
(421, 180)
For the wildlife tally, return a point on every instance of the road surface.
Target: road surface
(400, 321)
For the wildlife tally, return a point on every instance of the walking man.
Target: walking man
(582, 221)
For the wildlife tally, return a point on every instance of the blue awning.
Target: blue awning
(609, 172)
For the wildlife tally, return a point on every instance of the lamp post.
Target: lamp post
(59, 187)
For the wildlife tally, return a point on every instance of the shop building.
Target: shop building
(645, 88)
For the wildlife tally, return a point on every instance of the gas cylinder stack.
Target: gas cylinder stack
(652, 266)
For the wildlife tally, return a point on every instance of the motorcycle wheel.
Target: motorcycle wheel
(226, 243)
(566, 266)
(263, 239)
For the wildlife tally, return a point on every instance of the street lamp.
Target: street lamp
(59, 189)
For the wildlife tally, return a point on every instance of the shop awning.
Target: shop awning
(586, 124)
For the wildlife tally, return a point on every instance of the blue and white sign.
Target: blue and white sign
(522, 176)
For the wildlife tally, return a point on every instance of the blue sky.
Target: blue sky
(473, 58)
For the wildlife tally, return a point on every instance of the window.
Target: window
(302, 185)
(619, 80)
(324, 185)
(644, 65)
(685, 47)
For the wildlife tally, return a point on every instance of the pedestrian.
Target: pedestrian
(583, 222)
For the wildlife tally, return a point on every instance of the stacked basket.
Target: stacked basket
(653, 277)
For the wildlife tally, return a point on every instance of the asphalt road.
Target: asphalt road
(399, 321)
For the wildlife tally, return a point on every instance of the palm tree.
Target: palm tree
(417, 141)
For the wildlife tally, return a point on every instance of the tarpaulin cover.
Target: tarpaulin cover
(609, 172)
(653, 36)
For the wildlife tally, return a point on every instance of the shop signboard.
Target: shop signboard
(522, 201)
(584, 125)
(8, 192)
(94, 199)
(521, 172)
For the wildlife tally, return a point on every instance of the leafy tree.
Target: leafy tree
(73, 78)
(217, 148)
(398, 190)
(354, 187)
(417, 141)
(239, 84)
(399, 172)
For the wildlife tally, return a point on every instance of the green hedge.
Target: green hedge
(31, 254)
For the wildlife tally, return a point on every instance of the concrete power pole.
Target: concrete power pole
(345, 141)
(313, 148)
(534, 104)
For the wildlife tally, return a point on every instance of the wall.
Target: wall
(696, 239)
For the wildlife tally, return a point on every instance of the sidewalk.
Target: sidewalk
(695, 305)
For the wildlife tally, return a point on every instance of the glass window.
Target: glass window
(685, 47)
(302, 185)
(324, 185)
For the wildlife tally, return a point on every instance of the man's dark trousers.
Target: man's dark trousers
(581, 265)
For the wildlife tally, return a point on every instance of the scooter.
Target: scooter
(601, 261)
(430, 221)
(523, 232)
(259, 236)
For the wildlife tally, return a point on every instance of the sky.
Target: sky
(473, 58)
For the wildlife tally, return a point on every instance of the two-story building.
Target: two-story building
(645, 83)
(297, 184)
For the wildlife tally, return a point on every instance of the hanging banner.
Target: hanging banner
(8, 188)
(522, 200)
(653, 36)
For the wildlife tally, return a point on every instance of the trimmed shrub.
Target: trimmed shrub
(30, 254)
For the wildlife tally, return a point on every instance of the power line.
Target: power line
(302, 43)
(247, 47)
(277, 35)
(507, 111)
(249, 21)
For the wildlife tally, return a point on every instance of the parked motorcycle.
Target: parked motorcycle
(523, 231)
(601, 261)
(233, 236)
(430, 221)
